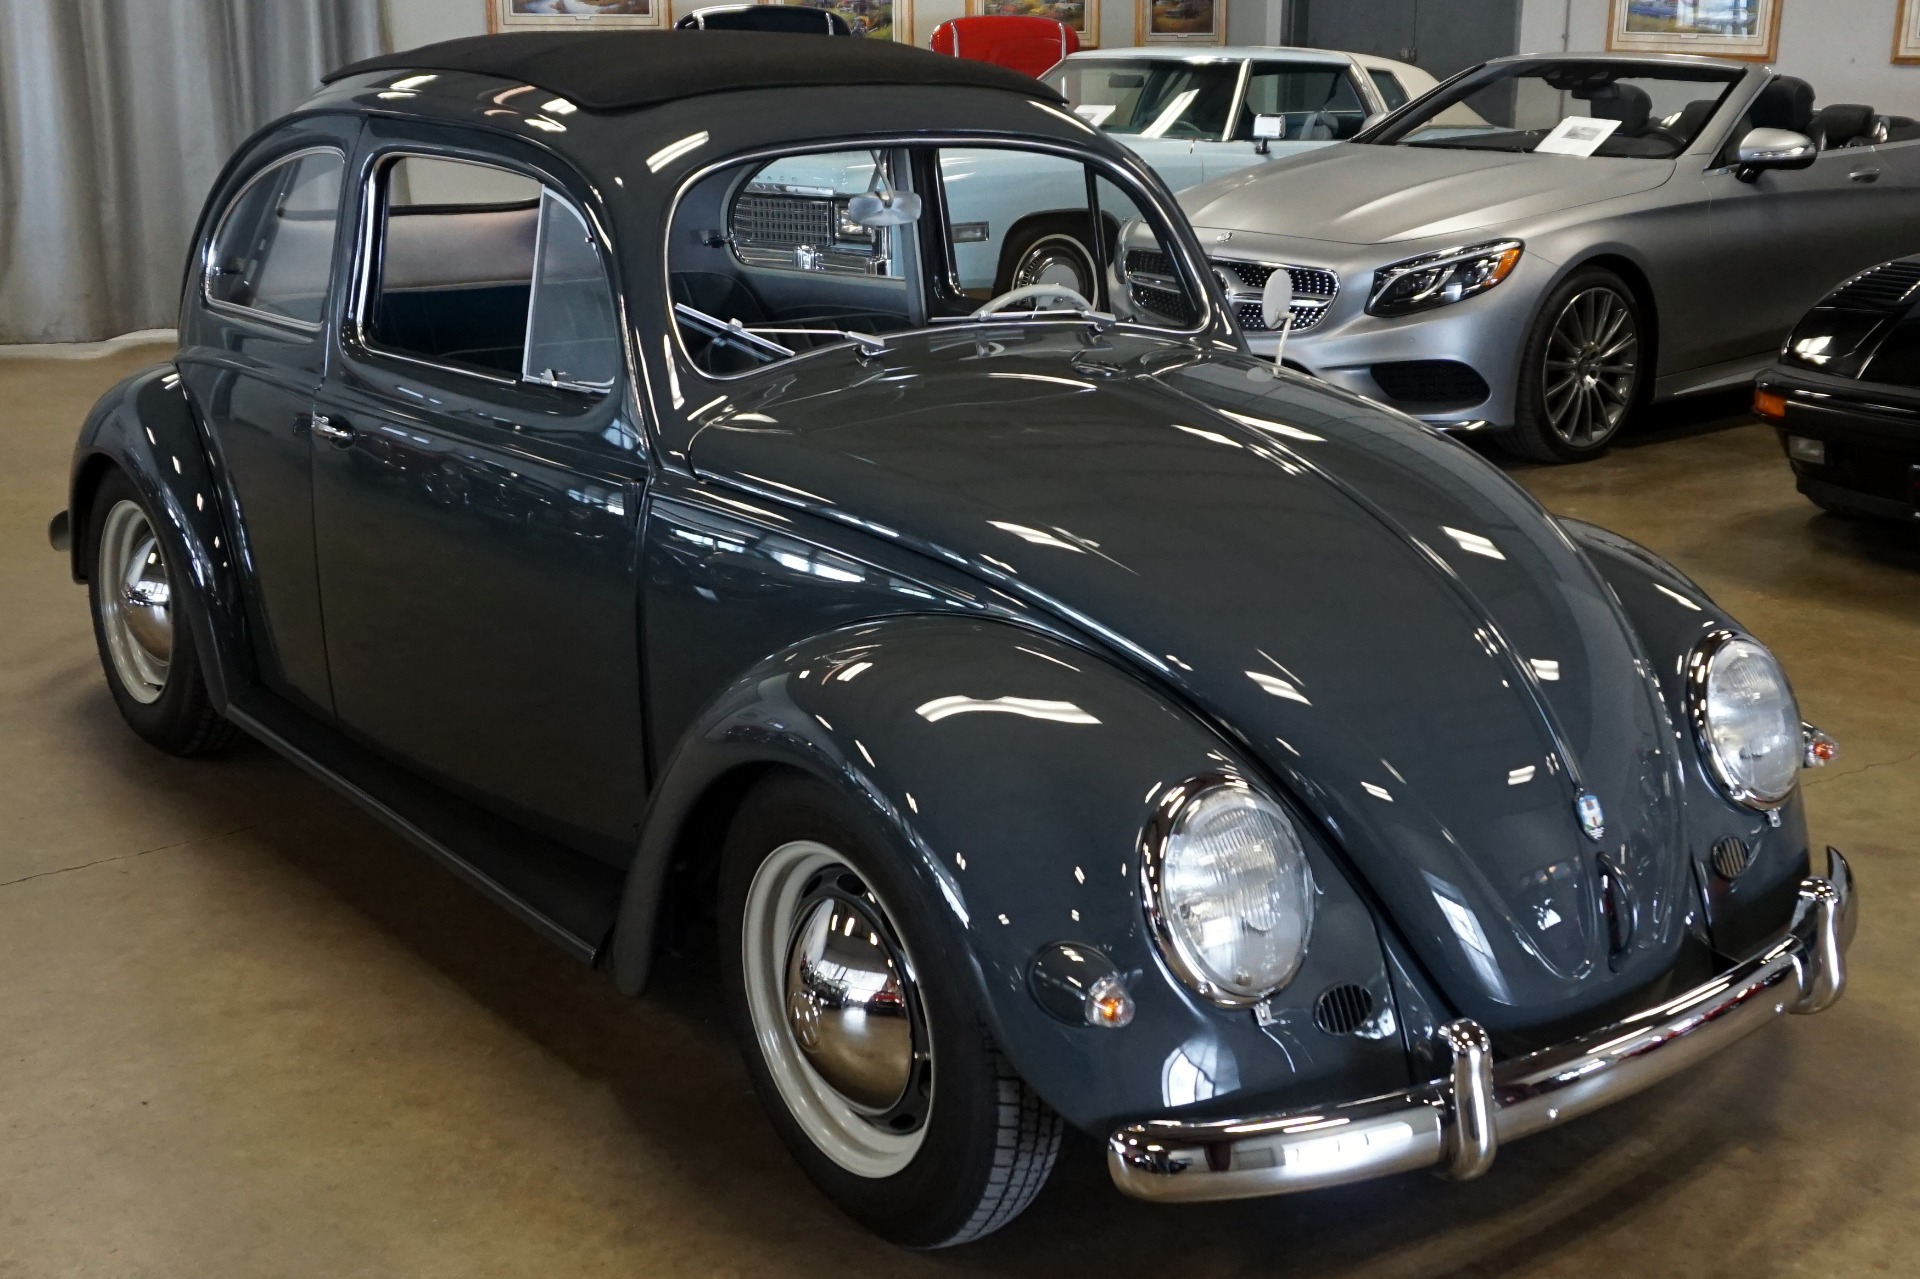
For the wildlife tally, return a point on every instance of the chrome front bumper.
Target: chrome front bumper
(1459, 1121)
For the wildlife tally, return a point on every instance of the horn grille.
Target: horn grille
(1731, 856)
(1343, 1009)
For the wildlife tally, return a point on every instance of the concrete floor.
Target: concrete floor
(246, 1031)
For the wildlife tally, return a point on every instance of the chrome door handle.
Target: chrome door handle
(1864, 175)
(324, 428)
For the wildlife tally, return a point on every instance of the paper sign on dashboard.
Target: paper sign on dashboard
(1579, 135)
(1093, 113)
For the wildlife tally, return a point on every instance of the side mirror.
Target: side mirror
(1265, 129)
(891, 208)
(1764, 149)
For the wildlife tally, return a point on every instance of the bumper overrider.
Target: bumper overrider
(1458, 1122)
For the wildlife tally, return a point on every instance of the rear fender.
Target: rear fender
(1019, 820)
(146, 428)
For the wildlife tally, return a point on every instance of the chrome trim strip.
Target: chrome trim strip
(1461, 1120)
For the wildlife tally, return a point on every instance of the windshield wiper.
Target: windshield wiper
(1100, 320)
(734, 331)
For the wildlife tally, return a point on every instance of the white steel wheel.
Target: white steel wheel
(136, 602)
(835, 1009)
(1058, 259)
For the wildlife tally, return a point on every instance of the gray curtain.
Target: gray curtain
(115, 118)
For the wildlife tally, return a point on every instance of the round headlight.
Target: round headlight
(1228, 892)
(1748, 723)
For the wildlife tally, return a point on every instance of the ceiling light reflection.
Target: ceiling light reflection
(1030, 707)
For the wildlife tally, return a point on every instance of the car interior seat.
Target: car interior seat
(1627, 103)
(1843, 124)
(1030, 46)
(1786, 103)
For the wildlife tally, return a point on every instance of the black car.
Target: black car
(599, 471)
(1844, 395)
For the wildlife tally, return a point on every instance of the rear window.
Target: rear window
(273, 253)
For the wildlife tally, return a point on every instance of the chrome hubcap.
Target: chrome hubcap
(1592, 367)
(1056, 259)
(136, 602)
(835, 1008)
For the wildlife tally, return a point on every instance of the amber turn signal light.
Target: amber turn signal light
(1770, 406)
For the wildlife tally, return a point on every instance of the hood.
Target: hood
(1386, 621)
(1363, 194)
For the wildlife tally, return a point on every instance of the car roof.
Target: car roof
(1671, 59)
(626, 70)
(1232, 52)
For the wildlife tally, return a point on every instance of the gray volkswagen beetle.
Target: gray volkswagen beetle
(1056, 715)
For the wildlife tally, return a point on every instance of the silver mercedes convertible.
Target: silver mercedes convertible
(1542, 245)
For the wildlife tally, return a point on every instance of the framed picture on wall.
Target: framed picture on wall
(1906, 35)
(1082, 15)
(1180, 21)
(1748, 29)
(524, 15)
(876, 19)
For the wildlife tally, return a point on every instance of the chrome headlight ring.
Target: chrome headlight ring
(1281, 911)
(1713, 653)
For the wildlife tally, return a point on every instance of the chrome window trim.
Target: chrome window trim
(306, 327)
(1154, 836)
(364, 264)
(1206, 314)
(1699, 668)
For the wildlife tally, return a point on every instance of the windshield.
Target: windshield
(771, 259)
(1194, 100)
(1614, 109)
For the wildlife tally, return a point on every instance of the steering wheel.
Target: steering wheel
(1033, 292)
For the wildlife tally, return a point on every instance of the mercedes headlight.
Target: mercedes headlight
(1746, 720)
(1227, 890)
(1436, 279)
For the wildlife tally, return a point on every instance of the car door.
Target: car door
(477, 494)
(252, 355)
(1789, 236)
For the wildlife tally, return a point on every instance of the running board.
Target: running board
(567, 897)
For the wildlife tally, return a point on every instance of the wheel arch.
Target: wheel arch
(145, 428)
(1110, 234)
(1021, 830)
(1634, 275)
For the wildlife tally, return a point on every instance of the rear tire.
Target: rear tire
(925, 1161)
(146, 648)
(1581, 373)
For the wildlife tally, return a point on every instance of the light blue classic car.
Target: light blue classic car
(1026, 218)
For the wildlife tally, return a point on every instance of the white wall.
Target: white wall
(1843, 48)
(414, 22)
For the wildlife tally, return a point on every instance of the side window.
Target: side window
(273, 252)
(485, 268)
(1392, 92)
(1317, 103)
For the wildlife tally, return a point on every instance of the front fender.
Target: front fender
(1672, 614)
(1012, 773)
(145, 426)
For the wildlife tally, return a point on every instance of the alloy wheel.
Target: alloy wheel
(1592, 368)
(136, 602)
(836, 1011)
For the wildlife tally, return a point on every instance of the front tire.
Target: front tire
(843, 1031)
(1581, 373)
(1052, 249)
(152, 667)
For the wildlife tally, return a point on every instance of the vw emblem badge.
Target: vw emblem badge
(1592, 819)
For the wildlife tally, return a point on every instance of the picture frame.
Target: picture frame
(876, 19)
(1082, 15)
(1906, 33)
(573, 15)
(1745, 29)
(1196, 22)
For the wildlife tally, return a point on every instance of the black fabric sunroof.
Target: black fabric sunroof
(622, 70)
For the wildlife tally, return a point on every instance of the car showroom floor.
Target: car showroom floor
(244, 1030)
